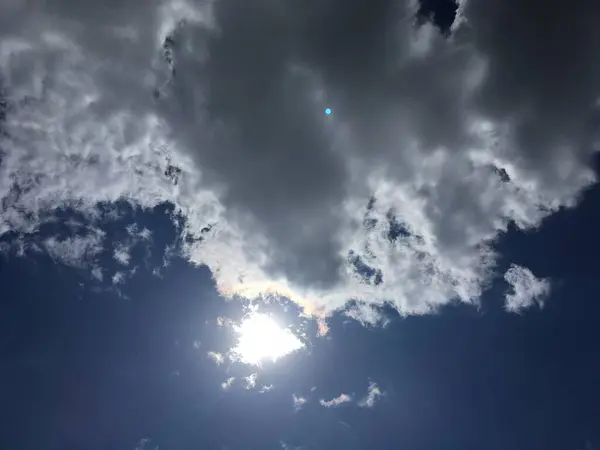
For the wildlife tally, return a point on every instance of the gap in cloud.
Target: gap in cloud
(440, 12)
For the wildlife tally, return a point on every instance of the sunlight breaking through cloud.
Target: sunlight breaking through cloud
(260, 338)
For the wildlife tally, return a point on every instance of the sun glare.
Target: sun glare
(261, 339)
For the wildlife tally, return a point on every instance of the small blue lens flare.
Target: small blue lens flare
(328, 111)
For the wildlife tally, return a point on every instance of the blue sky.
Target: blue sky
(85, 369)
(421, 264)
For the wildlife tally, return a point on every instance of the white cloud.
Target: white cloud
(251, 381)
(225, 385)
(337, 401)
(527, 289)
(118, 278)
(121, 254)
(138, 233)
(367, 314)
(373, 395)
(453, 139)
(267, 388)
(135, 236)
(217, 357)
(299, 402)
(223, 321)
(76, 251)
(97, 273)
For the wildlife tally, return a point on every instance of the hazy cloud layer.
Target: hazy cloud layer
(434, 145)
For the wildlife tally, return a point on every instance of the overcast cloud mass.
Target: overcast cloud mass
(435, 144)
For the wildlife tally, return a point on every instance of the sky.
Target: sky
(299, 225)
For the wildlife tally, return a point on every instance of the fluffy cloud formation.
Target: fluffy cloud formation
(337, 401)
(435, 143)
(527, 290)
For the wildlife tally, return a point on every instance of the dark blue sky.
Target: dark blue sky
(108, 348)
(95, 370)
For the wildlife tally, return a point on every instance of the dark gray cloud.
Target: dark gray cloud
(447, 137)
(542, 76)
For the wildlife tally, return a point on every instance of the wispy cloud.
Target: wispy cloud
(76, 251)
(217, 357)
(285, 446)
(266, 388)
(118, 278)
(225, 385)
(299, 402)
(337, 401)
(373, 394)
(251, 381)
(527, 289)
(367, 314)
(135, 235)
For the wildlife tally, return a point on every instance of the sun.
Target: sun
(260, 339)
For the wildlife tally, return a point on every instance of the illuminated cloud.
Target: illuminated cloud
(527, 290)
(337, 401)
(251, 381)
(299, 402)
(217, 357)
(373, 395)
(267, 388)
(225, 385)
(435, 144)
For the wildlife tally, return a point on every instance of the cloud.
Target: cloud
(75, 251)
(367, 314)
(434, 146)
(527, 290)
(135, 235)
(97, 273)
(373, 394)
(266, 388)
(217, 357)
(145, 444)
(286, 446)
(121, 254)
(223, 321)
(251, 381)
(225, 385)
(118, 278)
(299, 402)
(335, 402)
